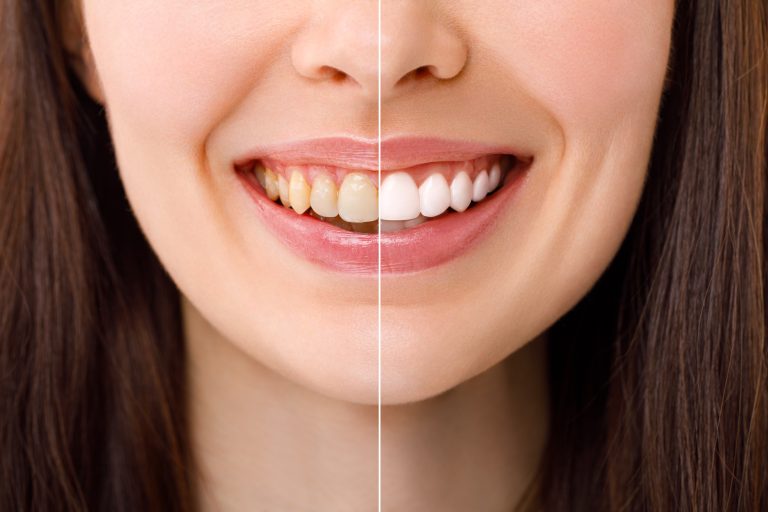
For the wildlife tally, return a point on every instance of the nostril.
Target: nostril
(332, 73)
(418, 74)
(422, 71)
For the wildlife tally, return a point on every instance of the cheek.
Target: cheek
(173, 69)
(589, 61)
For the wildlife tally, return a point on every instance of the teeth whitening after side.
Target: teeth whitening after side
(355, 203)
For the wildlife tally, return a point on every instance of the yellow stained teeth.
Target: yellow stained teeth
(270, 185)
(298, 191)
(282, 187)
(358, 199)
(324, 197)
(260, 177)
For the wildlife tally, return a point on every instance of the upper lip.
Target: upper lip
(357, 153)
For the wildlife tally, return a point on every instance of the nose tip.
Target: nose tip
(343, 48)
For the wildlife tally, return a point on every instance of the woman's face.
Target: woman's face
(554, 100)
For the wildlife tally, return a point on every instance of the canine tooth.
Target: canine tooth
(282, 187)
(358, 199)
(434, 195)
(461, 192)
(270, 185)
(494, 177)
(480, 187)
(324, 197)
(398, 197)
(298, 192)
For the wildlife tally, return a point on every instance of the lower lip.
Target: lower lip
(427, 245)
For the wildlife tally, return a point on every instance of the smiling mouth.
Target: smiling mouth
(433, 201)
(354, 200)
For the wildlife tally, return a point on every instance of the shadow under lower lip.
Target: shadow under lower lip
(430, 244)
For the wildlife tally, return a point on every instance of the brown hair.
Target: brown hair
(666, 408)
(91, 355)
(658, 376)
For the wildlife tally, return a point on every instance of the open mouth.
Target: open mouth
(323, 198)
(350, 199)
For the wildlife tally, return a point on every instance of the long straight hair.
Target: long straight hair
(658, 375)
(92, 373)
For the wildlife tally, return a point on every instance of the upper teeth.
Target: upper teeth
(399, 197)
(480, 187)
(357, 200)
(434, 196)
(461, 192)
(298, 192)
(324, 196)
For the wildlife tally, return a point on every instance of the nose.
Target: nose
(340, 46)
(417, 45)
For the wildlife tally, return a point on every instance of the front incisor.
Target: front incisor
(358, 199)
(324, 197)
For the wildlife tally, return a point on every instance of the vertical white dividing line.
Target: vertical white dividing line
(378, 344)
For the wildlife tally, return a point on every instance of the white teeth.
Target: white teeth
(435, 196)
(461, 192)
(398, 197)
(494, 177)
(480, 187)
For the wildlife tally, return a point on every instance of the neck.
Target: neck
(264, 442)
(475, 447)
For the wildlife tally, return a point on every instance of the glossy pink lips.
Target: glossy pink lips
(430, 244)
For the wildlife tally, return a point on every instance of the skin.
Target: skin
(283, 355)
(579, 82)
